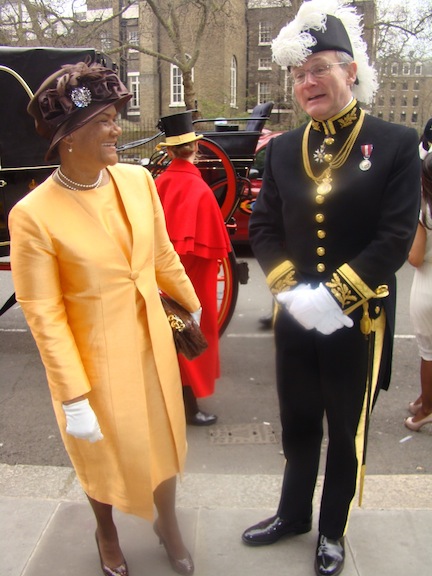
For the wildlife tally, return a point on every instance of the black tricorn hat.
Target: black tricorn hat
(178, 129)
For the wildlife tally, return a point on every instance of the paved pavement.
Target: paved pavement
(47, 527)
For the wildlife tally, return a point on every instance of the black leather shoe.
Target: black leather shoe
(266, 321)
(271, 530)
(330, 556)
(201, 419)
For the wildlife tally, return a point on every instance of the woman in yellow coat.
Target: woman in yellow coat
(89, 252)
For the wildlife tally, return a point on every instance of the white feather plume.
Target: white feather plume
(293, 44)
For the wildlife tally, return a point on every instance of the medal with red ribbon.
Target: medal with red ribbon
(365, 164)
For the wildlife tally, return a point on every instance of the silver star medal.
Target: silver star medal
(319, 154)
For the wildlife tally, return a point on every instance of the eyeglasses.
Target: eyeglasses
(317, 71)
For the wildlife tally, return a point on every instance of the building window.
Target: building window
(105, 40)
(264, 33)
(264, 64)
(380, 100)
(133, 37)
(176, 86)
(134, 89)
(380, 114)
(415, 101)
(394, 69)
(263, 92)
(405, 85)
(233, 83)
(403, 117)
(418, 69)
(404, 100)
(392, 100)
(391, 116)
(393, 86)
(406, 69)
(414, 118)
(416, 85)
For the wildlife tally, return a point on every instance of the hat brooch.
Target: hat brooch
(81, 97)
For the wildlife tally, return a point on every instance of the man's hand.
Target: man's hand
(287, 298)
(81, 421)
(317, 309)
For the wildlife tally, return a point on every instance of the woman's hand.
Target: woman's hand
(81, 421)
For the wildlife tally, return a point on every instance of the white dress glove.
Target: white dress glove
(317, 309)
(81, 421)
(332, 321)
(197, 315)
(287, 298)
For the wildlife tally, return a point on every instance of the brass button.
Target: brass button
(328, 158)
(321, 234)
(320, 251)
(321, 267)
(319, 199)
(319, 218)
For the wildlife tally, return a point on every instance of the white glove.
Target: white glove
(81, 421)
(316, 308)
(332, 321)
(197, 315)
(287, 298)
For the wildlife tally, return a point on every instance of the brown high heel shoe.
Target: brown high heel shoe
(121, 570)
(184, 566)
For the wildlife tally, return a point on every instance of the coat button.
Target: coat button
(321, 234)
(320, 267)
(319, 218)
(134, 275)
(320, 251)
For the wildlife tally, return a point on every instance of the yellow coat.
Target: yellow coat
(100, 329)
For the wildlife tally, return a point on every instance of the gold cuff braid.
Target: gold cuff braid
(282, 277)
(350, 290)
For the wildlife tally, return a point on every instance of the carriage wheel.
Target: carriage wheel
(219, 173)
(227, 290)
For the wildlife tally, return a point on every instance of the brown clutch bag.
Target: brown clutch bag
(188, 337)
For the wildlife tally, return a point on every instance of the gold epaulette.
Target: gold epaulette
(282, 277)
(350, 290)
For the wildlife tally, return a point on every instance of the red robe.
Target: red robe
(196, 228)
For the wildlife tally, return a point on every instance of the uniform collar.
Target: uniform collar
(345, 118)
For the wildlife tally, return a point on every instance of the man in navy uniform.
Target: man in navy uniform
(333, 222)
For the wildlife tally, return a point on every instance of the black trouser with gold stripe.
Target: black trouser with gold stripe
(317, 375)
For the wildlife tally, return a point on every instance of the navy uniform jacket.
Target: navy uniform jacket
(360, 235)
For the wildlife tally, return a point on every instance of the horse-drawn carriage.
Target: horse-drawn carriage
(226, 155)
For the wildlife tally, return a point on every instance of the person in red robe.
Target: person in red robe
(197, 230)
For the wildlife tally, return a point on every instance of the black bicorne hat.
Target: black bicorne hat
(322, 25)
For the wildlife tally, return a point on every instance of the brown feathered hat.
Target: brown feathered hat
(71, 97)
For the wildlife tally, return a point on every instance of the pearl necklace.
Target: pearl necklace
(72, 185)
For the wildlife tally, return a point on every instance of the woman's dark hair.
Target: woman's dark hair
(427, 189)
